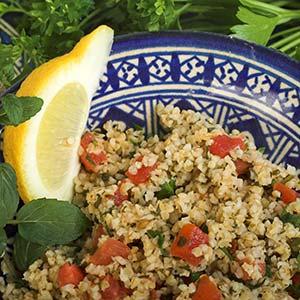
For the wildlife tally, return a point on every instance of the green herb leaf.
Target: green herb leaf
(257, 28)
(227, 253)
(182, 241)
(295, 245)
(3, 241)
(286, 217)
(160, 239)
(49, 222)
(137, 127)
(25, 252)
(287, 178)
(17, 110)
(204, 228)
(9, 198)
(268, 270)
(105, 176)
(298, 260)
(261, 149)
(195, 276)
(167, 190)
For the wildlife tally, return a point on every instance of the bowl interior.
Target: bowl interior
(239, 85)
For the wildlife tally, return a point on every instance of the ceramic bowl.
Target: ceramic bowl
(240, 85)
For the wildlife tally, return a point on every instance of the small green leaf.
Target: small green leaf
(105, 176)
(257, 28)
(286, 217)
(17, 110)
(49, 222)
(227, 253)
(182, 241)
(138, 127)
(25, 252)
(287, 178)
(261, 149)
(9, 198)
(160, 239)
(269, 270)
(3, 241)
(298, 260)
(204, 228)
(295, 245)
(167, 190)
(13, 108)
(195, 276)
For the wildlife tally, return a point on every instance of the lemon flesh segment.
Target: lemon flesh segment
(59, 135)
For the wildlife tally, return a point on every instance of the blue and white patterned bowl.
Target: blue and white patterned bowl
(238, 84)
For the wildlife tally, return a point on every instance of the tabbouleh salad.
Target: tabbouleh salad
(197, 214)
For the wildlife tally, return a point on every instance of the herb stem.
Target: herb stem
(16, 10)
(264, 6)
(284, 41)
(12, 222)
(90, 16)
(183, 8)
(290, 45)
(284, 32)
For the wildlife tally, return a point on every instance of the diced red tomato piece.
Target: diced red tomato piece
(90, 160)
(116, 289)
(288, 195)
(119, 197)
(97, 234)
(207, 290)
(109, 249)
(242, 167)
(261, 267)
(189, 237)
(86, 139)
(296, 279)
(69, 274)
(223, 144)
(142, 175)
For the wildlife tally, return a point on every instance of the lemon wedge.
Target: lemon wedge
(44, 150)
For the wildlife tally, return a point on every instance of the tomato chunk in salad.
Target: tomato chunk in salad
(115, 290)
(223, 144)
(69, 274)
(288, 195)
(189, 237)
(141, 174)
(109, 249)
(91, 159)
(207, 290)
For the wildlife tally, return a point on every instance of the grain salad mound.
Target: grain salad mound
(197, 214)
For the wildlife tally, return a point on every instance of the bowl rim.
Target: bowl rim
(222, 42)
(216, 41)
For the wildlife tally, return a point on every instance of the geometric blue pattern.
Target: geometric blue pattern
(239, 85)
